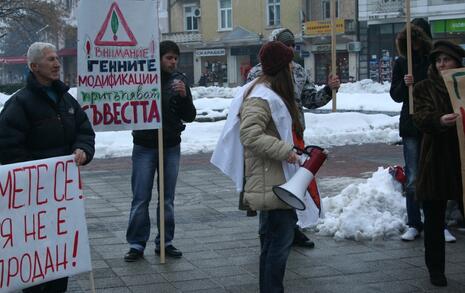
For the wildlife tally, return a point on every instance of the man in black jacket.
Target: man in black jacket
(177, 107)
(43, 120)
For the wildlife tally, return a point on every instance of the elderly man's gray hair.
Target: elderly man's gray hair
(36, 51)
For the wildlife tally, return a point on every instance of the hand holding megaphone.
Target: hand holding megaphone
(293, 191)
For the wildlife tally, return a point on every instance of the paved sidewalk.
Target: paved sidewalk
(221, 247)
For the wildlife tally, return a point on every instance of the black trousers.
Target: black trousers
(55, 286)
(435, 212)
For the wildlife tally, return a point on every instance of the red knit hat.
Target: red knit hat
(274, 56)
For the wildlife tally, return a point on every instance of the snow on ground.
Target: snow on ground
(371, 209)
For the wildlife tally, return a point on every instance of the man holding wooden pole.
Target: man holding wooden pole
(177, 107)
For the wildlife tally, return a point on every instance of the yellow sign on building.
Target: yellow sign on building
(323, 27)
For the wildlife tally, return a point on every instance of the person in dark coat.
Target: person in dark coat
(411, 137)
(177, 108)
(43, 120)
(439, 175)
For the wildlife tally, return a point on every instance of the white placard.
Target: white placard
(43, 231)
(118, 64)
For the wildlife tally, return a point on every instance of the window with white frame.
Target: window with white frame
(190, 20)
(225, 15)
(274, 12)
(326, 8)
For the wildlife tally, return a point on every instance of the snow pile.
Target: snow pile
(213, 92)
(365, 86)
(335, 129)
(365, 211)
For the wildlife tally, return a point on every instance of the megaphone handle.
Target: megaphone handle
(314, 163)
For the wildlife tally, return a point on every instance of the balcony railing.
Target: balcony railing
(183, 37)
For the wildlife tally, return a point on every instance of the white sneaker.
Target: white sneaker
(410, 234)
(449, 237)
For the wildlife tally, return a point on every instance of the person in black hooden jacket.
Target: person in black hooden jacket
(177, 107)
(43, 120)
(411, 136)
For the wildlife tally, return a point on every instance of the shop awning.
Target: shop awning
(240, 35)
(67, 52)
(13, 60)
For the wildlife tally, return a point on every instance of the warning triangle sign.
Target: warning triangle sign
(117, 18)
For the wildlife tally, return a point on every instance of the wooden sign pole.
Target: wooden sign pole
(161, 182)
(409, 53)
(333, 48)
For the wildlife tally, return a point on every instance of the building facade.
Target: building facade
(221, 38)
(381, 20)
(317, 39)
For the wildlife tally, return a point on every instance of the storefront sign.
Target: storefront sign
(323, 27)
(245, 51)
(449, 26)
(321, 48)
(304, 54)
(210, 52)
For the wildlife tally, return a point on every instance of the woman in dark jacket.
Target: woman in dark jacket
(411, 137)
(439, 175)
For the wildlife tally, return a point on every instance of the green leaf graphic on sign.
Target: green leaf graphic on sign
(114, 22)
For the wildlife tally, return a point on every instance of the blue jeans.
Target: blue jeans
(278, 228)
(144, 166)
(411, 157)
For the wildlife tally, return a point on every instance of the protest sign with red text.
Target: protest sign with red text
(118, 64)
(43, 232)
(455, 83)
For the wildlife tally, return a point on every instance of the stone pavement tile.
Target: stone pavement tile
(236, 280)
(98, 274)
(154, 288)
(413, 273)
(101, 283)
(393, 287)
(406, 252)
(236, 252)
(143, 278)
(171, 265)
(425, 286)
(248, 288)
(290, 275)
(315, 271)
(212, 290)
(184, 275)
(99, 264)
(194, 285)
(418, 261)
(224, 271)
(456, 277)
(207, 254)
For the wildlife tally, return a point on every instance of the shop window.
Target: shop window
(190, 20)
(225, 15)
(274, 12)
(323, 67)
(326, 8)
(385, 29)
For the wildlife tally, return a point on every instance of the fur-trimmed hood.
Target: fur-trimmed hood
(417, 35)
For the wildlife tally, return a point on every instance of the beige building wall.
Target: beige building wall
(346, 9)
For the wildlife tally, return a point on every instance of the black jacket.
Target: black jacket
(420, 63)
(399, 91)
(33, 126)
(175, 111)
